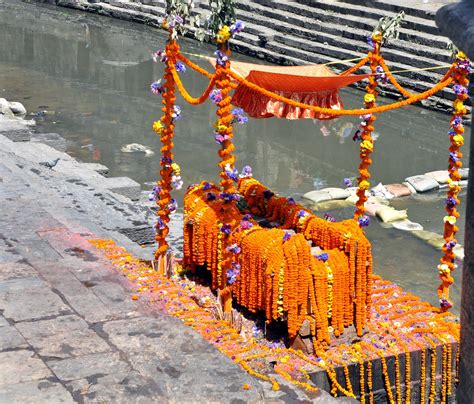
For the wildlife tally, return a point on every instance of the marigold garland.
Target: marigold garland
(165, 129)
(462, 70)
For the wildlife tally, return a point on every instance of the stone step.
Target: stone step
(410, 8)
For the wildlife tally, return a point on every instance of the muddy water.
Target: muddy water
(87, 78)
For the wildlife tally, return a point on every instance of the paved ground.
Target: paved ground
(69, 331)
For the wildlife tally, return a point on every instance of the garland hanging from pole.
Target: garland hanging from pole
(364, 133)
(462, 70)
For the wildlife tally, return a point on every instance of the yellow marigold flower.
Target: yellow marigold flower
(377, 36)
(458, 140)
(461, 55)
(364, 185)
(223, 35)
(458, 105)
(368, 98)
(367, 145)
(450, 219)
(176, 168)
(444, 269)
(158, 127)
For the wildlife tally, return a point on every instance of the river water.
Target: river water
(92, 75)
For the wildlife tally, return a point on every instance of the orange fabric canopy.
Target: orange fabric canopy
(310, 84)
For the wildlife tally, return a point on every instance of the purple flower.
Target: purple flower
(364, 221)
(176, 112)
(178, 19)
(160, 225)
(450, 244)
(445, 304)
(246, 172)
(221, 138)
(291, 201)
(267, 194)
(457, 121)
(173, 205)
(206, 186)
(156, 88)
(233, 174)
(228, 197)
(247, 217)
(369, 41)
(165, 160)
(180, 67)
(329, 218)
(237, 27)
(232, 273)
(381, 74)
(221, 58)
(464, 64)
(348, 182)
(216, 96)
(301, 213)
(459, 90)
(152, 196)
(451, 133)
(159, 55)
(453, 156)
(451, 202)
(239, 116)
(234, 249)
(357, 135)
(323, 256)
(226, 229)
(245, 224)
(286, 236)
(211, 196)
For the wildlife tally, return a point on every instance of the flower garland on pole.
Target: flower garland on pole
(462, 70)
(364, 133)
(165, 129)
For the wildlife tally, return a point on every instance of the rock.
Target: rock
(440, 176)
(407, 225)
(17, 108)
(5, 109)
(305, 329)
(388, 214)
(137, 148)
(422, 183)
(327, 194)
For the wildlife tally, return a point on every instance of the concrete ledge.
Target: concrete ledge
(98, 168)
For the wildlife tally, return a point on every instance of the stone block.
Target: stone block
(14, 130)
(398, 190)
(440, 176)
(88, 365)
(5, 109)
(28, 303)
(11, 339)
(51, 139)
(422, 183)
(21, 366)
(62, 337)
(38, 391)
(98, 168)
(120, 185)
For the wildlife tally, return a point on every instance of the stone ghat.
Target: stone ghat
(404, 336)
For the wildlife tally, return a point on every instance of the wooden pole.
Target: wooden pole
(457, 21)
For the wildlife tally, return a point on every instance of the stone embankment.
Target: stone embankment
(291, 32)
(69, 328)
